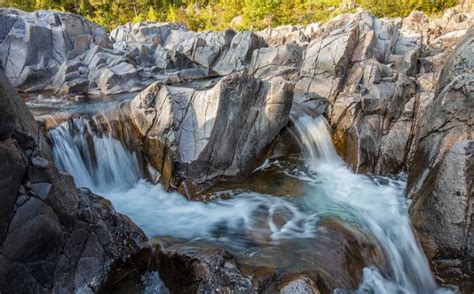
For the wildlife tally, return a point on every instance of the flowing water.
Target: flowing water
(97, 161)
(375, 205)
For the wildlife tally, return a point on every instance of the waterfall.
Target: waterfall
(376, 204)
(95, 160)
(98, 161)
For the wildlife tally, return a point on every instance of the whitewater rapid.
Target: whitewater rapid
(376, 205)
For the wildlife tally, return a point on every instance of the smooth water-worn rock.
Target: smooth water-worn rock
(188, 269)
(206, 135)
(55, 237)
(333, 260)
(442, 170)
(379, 82)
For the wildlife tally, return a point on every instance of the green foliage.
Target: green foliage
(220, 14)
(404, 7)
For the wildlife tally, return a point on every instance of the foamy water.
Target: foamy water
(375, 205)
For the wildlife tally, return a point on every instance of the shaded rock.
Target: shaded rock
(188, 269)
(441, 170)
(54, 237)
(333, 260)
(204, 136)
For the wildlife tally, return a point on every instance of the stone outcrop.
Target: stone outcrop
(372, 78)
(54, 237)
(442, 170)
(34, 45)
(202, 136)
(66, 54)
(144, 33)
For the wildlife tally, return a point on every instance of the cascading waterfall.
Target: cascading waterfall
(97, 161)
(377, 205)
(103, 164)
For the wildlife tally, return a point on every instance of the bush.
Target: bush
(218, 14)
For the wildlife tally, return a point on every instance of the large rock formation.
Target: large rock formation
(215, 134)
(442, 170)
(372, 78)
(54, 237)
(34, 45)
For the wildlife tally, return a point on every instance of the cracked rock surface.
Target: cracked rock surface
(442, 172)
(201, 136)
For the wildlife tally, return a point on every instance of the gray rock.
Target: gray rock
(239, 54)
(202, 48)
(288, 34)
(281, 61)
(34, 45)
(325, 65)
(202, 136)
(441, 170)
(144, 32)
(71, 78)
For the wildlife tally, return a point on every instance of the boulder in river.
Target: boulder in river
(203, 136)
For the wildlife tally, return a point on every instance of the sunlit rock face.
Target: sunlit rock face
(373, 78)
(55, 237)
(440, 176)
(34, 45)
(214, 134)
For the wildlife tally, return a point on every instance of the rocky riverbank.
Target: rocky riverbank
(55, 237)
(398, 94)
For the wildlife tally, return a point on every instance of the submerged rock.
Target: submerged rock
(333, 260)
(202, 136)
(55, 237)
